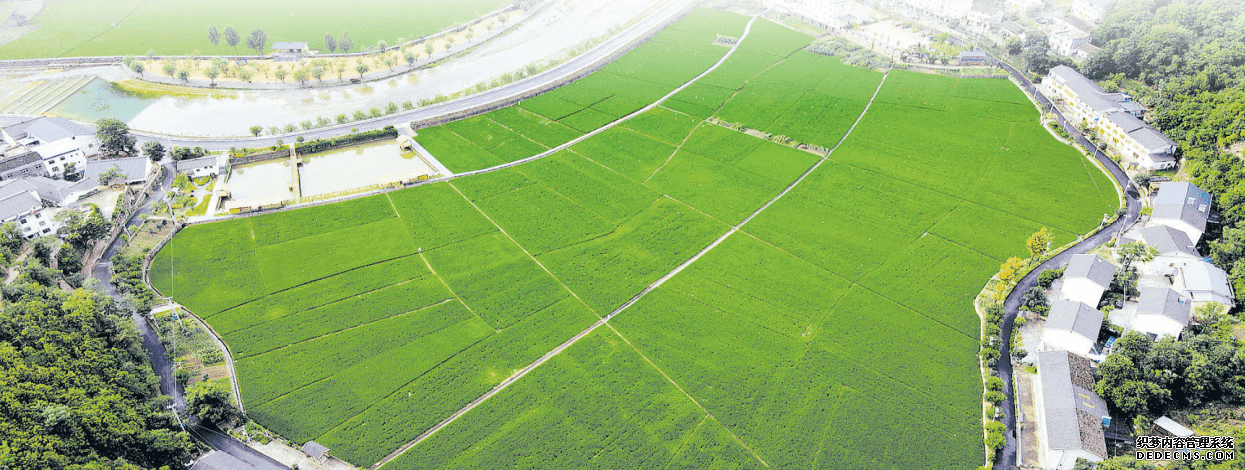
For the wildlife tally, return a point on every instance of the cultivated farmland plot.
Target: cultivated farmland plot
(840, 313)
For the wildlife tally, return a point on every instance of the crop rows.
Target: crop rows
(839, 314)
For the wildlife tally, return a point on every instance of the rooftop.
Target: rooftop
(47, 129)
(314, 449)
(1168, 240)
(1183, 201)
(1070, 315)
(1171, 426)
(134, 168)
(1162, 301)
(1092, 267)
(21, 203)
(1092, 94)
(1073, 411)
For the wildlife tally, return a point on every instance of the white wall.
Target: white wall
(1158, 325)
(1067, 340)
(1082, 290)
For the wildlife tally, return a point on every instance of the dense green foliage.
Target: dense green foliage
(78, 390)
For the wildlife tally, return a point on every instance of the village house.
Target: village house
(1162, 312)
(1071, 417)
(1182, 206)
(1086, 278)
(45, 146)
(1071, 326)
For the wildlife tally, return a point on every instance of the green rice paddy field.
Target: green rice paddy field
(835, 330)
(75, 28)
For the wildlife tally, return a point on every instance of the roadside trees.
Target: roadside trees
(257, 41)
(115, 140)
(213, 35)
(210, 401)
(153, 150)
(232, 38)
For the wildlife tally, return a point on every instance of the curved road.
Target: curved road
(159, 360)
(1007, 456)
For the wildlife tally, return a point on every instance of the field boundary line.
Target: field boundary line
(349, 328)
(685, 441)
(548, 355)
(320, 306)
(672, 154)
(455, 294)
(529, 254)
(688, 395)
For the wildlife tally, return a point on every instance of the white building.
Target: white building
(1086, 278)
(1071, 326)
(943, 9)
(1182, 206)
(1070, 416)
(1132, 137)
(59, 143)
(1195, 279)
(1085, 99)
(1091, 11)
(199, 167)
(1162, 312)
(823, 13)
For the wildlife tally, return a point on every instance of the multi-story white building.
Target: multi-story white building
(823, 13)
(1086, 278)
(1115, 115)
(1092, 11)
(45, 146)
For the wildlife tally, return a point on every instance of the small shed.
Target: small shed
(316, 451)
(970, 58)
(290, 47)
(1170, 426)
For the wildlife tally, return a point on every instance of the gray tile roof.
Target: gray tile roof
(134, 168)
(1092, 94)
(192, 164)
(1165, 302)
(19, 161)
(18, 204)
(1070, 315)
(1073, 412)
(1091, 267)
(1184, 201)
(47, 129)
(974, 55)
(1168, 240)
(1077, 23)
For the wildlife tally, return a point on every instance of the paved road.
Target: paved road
(500, 94)
(1007, 456)
(156, 351)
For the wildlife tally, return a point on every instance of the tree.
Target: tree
(115, 140)
(1009, 272)
(318, 73)
(246, 74)
(184, 75)
(345, 44)
(105, 177)
(281, 73)
(302, 74)
(449, 42)
(1035, 299)
(470, 34)
(82, 230)
(154, 150)
(1036, 52)
(257, 41)
(170, 68)
(257, 130)
(330, 43)
(1014, 45)
(1039, 243)
(382, 46)
(409, 57)
(210, 401)
(1135, 251)
(362, 68)
(232, 38)
(1143, 179)
(137, 67)
(428, 48)
(211, 73)
(213, 35)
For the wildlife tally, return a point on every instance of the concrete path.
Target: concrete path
(1007, 456)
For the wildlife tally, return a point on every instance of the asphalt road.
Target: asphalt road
(488, 97)
(1007, 456)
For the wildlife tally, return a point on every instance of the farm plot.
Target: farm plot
(847, 300)
(130, 27)
(596, 405)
